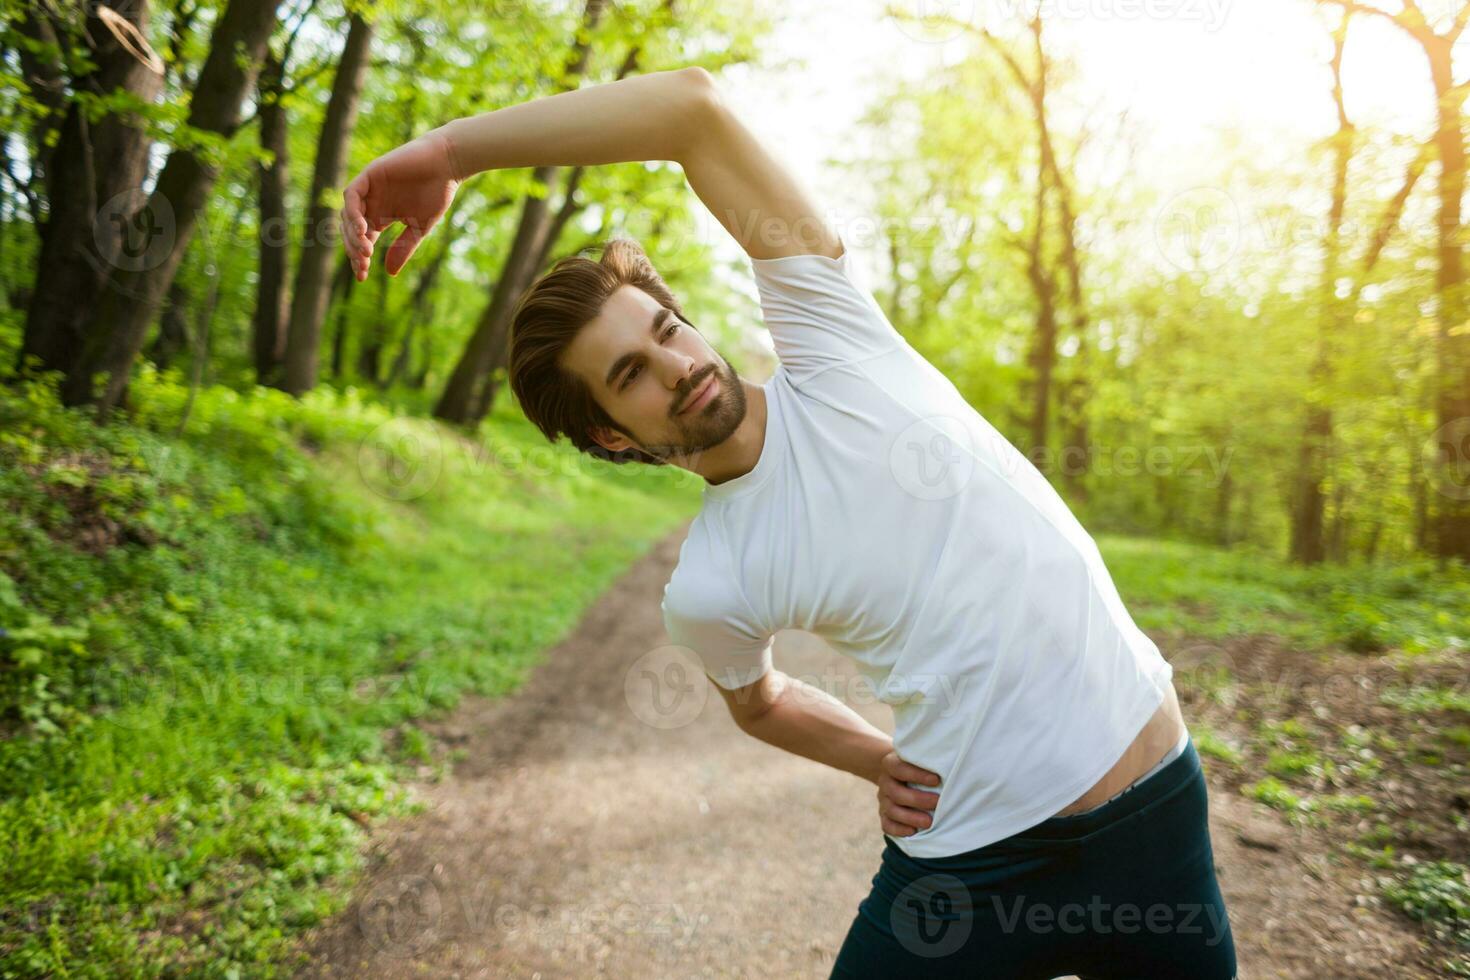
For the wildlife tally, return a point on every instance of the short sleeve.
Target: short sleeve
(821, 312)
(733, 651)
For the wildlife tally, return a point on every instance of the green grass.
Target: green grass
(1274, 793)
(1436, 893)
(196, 704)
(1208, 593)
(1212, 745)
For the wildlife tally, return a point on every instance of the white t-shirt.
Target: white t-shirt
(886, 516)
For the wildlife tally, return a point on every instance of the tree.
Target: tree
(89, 173)
(319, 241)
(460, 399)
(548, 233)
(1452, 399)
(135, 289)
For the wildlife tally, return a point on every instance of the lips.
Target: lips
(700, 395)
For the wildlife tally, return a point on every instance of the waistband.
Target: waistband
(1172, 777)
(1169, 757)
(1166, 782)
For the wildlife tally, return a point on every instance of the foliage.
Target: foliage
(214, 654)
(1437, 893)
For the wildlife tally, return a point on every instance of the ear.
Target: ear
(610, 439)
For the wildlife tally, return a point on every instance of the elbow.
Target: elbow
(753, 702)
(703, 102)
(700, 82)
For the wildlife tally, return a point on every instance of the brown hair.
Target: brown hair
(549, 315)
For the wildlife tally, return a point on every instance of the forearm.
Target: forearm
(809, 722)
(643, 117)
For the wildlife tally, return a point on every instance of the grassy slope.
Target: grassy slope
(196, 704)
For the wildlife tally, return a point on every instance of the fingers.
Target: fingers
(893, 829)
(906, 795)
(355, 204)
(358, 234)
(911, 820)
(354, 227)
(901, 808)
(907, 772)
(403, 246)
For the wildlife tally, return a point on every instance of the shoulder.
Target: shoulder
(821, 311)
(691, 584)
(703, 586)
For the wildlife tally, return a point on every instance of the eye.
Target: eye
(669, 331)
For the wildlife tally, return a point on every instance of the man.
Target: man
(858, 496)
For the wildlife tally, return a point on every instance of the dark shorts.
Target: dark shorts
(1125, 890)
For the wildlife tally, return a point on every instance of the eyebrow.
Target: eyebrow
(653, 327)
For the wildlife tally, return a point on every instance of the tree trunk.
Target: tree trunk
(420, 379)
(1370, 551)
(268, 340)
(463, 396)
(1452, 404)
(1043, 353)
(459, 400)
(1042, 356)
(1074, 393)
(370, 351)
(1451, 520)
(1223, 496)
(45, 81)
(134, 291)
(1338, 535)
(173, 327)
(342, 286)
(419, 306)
(85, 235)
(1308, 545)
(320, 239)
(547, 235)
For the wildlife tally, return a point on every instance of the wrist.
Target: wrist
(445, 137)
(874, 764)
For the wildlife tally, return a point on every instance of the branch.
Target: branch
(1410, 18)
(1395, 210)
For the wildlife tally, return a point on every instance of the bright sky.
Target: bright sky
(1185, 72)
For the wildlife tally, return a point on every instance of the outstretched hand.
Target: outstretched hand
(901, 808)
(413, 184)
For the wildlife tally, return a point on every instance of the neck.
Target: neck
(738, 454)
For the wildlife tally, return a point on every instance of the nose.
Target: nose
(681, 368)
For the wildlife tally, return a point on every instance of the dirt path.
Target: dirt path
(577, 840)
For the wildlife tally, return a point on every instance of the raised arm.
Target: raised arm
(757, 199)
(674, 115)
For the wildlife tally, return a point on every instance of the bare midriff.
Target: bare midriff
(1157, 737)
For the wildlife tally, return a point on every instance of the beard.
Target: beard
(711, 424)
